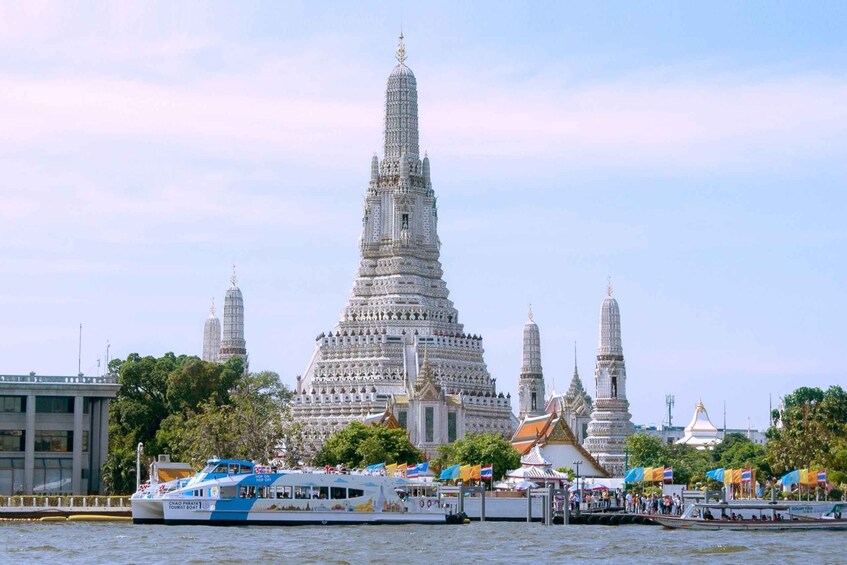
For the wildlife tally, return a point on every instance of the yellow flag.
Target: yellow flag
(476, 472)
(659, 474)
(804, 476)
(648, 474)
(390, 470)
(727, 476)
(465, 472)
(736, 476)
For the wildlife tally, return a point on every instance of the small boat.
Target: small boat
(165, 477)
(300, 498)
(752, 515)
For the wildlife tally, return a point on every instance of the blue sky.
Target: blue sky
(695, 154)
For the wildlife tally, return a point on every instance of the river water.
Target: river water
(490, 542)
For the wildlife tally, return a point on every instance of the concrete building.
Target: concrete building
(54, 433)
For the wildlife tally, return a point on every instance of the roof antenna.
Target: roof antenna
(79, 357)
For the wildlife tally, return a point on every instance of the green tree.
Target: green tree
(809, 430)
(646, 451)
(482, 449)
(358, 445)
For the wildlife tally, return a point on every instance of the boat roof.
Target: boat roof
(744, 504)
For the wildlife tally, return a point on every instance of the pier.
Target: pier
(37, 507)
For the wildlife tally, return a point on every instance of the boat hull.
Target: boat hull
(746, 526)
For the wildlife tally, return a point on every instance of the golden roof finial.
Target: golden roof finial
(401, 50)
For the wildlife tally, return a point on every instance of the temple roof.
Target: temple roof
(700, 431)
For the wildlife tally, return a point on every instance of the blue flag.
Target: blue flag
(635, 475)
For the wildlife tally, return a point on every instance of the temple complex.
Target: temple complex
(399, 344)
(573, 406)
(531, 381)
(611, 422)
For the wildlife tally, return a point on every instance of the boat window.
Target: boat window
(233, 468)
(246, 469)
(302, 492)
(262, 492)
(354, 492)
(283, 492)
(242, 492)
(337, 493)
(220, 468)
(321, 492)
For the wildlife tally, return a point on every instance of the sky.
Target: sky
(692, 153)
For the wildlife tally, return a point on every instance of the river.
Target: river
(491, 542)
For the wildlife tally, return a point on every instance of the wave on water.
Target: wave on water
(720, 549)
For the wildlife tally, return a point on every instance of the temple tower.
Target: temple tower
(610, 422)
(232, 341)
(531, 382)
(398, 304)
(211, 336)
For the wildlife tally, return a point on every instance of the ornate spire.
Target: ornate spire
(401, 50)
(609, 286)
(233, 279)
(530, 312)
(575, 371)
(212, 308)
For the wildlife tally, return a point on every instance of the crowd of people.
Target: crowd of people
(653, 504)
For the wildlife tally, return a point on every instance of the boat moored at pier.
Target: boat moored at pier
(298, 498)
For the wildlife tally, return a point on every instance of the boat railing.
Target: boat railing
(65, 502)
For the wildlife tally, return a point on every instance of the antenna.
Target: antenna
(79, 356)
(669, 401)
(724, 419)
(107, 354)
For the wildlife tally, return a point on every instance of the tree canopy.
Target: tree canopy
(810, 430)
(193, 410)
(357, 445)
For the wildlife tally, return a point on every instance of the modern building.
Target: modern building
(611, 422)
(54, 433)
(232, 340)
(399, 311)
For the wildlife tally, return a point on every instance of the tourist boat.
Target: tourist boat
(752, 515)
(299, 498)
(165, 477)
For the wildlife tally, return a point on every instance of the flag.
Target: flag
(667, 475)
(648, 475)
(791, 478)
(390, 470)
(727, 476)
(465, 472)
(822, 476)
(412, 471)
(450, 473)
(635, 475)
(804, 477)
(476, 471)
(812, 478)
(736, 476)
(715, 474)
(659, 474)
(486, 473)
(746, 475)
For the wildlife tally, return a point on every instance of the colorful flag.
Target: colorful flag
(476, 471)
(746, 475)
(634, 475)
(715, 474)
(487, 473)
(791, 478)
(736, 476)
(390, 470)
(412, 471)
(648, 474)
(465, 472)
(822, 476)
(451, 473)
(804, 477)
(667, 475)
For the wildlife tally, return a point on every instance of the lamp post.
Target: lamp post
(138, 453)
(578, 490)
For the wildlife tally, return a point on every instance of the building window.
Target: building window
(54, 404)
(54, 441)
(534, 402)
(429, 424)
(451, 427)
(52, 476)
(614, 387)
(404, 223)
(402, 418)
(11, 476)
(85, 441)
(12, 403)
(12, 440)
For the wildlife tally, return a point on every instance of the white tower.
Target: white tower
(232, 342)
(610, 422)
(211, 336)
(531, 382)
